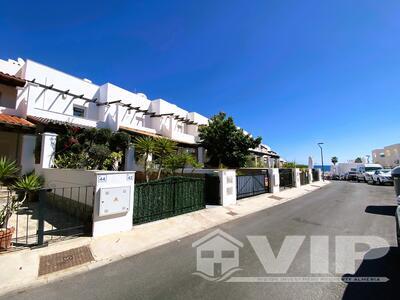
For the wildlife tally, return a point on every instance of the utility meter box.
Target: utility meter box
(114, 200)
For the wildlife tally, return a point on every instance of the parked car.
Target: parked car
(352, 175)
(382, 176)
(335, 177)
(365, 172)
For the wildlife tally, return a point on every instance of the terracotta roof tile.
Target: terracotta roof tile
(11, 80)
(14, 120)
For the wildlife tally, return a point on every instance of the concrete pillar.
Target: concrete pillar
(227, 187)
(130, 162)
(319, 171)
(296, 177)
(114, 191)
(310, 179)
(200, 155)
(27, 153)
(274, 180)
(49, 141)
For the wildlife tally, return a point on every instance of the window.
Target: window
(207, 254)
(79, 111)
(179, 128)
(227, 254)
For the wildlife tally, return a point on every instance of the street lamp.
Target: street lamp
(322, 161)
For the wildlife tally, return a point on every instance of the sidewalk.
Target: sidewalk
(20, 269)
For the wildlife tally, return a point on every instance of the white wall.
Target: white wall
(71, 180)
(51, 104)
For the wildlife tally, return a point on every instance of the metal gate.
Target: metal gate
(314, 175)
(304, 177)
(211, 189)
(285, 178)
(50, 215)
(251, 185)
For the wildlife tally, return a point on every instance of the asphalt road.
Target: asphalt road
(341, 208)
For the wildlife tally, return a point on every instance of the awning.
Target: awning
(138, 131)
(11, 80)
(46, 121)
(14, 121)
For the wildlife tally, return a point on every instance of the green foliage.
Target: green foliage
(163, 149)
(111, 162)
(334, 160)
(28, 183)
(120, 141)
(97, 154)
(145, 147)
(292, 165)
(226, 144)
(92, 149)
(358, 160)
(8, 169)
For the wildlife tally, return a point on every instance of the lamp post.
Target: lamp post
(322, 161)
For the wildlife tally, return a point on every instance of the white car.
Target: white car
(382, 176)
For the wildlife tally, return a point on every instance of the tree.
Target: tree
(334, 160)
(358, 160)
(163, 148)
(226, 144)
(145, 146)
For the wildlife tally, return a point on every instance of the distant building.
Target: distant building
(388, 157)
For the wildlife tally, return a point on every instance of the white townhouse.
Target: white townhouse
(35, 99)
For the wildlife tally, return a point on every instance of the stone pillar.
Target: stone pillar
(310, 179)
(49, 141)
(296, 177)
(227, 187)
(27, 153)
(273, 180)
(130, 163)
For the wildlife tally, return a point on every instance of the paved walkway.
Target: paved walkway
(22, 266)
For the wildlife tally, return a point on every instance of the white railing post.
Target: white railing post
(274, 180)
(310, 175)
(49, 141)
(227, 186)
(296, 177)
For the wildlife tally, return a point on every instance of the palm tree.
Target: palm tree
(163, 149)
(8, 169)
(334, 160)
(145, 146)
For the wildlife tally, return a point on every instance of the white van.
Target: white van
(365, 172)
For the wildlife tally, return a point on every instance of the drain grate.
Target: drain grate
(276, 197)
(64, 260)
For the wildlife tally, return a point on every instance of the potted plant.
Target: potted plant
(25, 186)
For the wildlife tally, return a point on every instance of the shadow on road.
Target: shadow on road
(385, 210)
(387, 266)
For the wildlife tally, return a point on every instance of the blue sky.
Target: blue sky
(294, 72)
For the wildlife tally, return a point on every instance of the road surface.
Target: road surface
(341, 208)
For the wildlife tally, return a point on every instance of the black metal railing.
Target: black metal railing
(315, 175)
(304, 177)
(285, 178)
(251, 185)
(48, 215)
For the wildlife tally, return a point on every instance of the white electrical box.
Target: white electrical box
(114, 200)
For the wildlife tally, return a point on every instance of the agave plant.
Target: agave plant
(28, 184)
(8, 169)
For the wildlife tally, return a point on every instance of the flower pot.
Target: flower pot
(6, 237)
